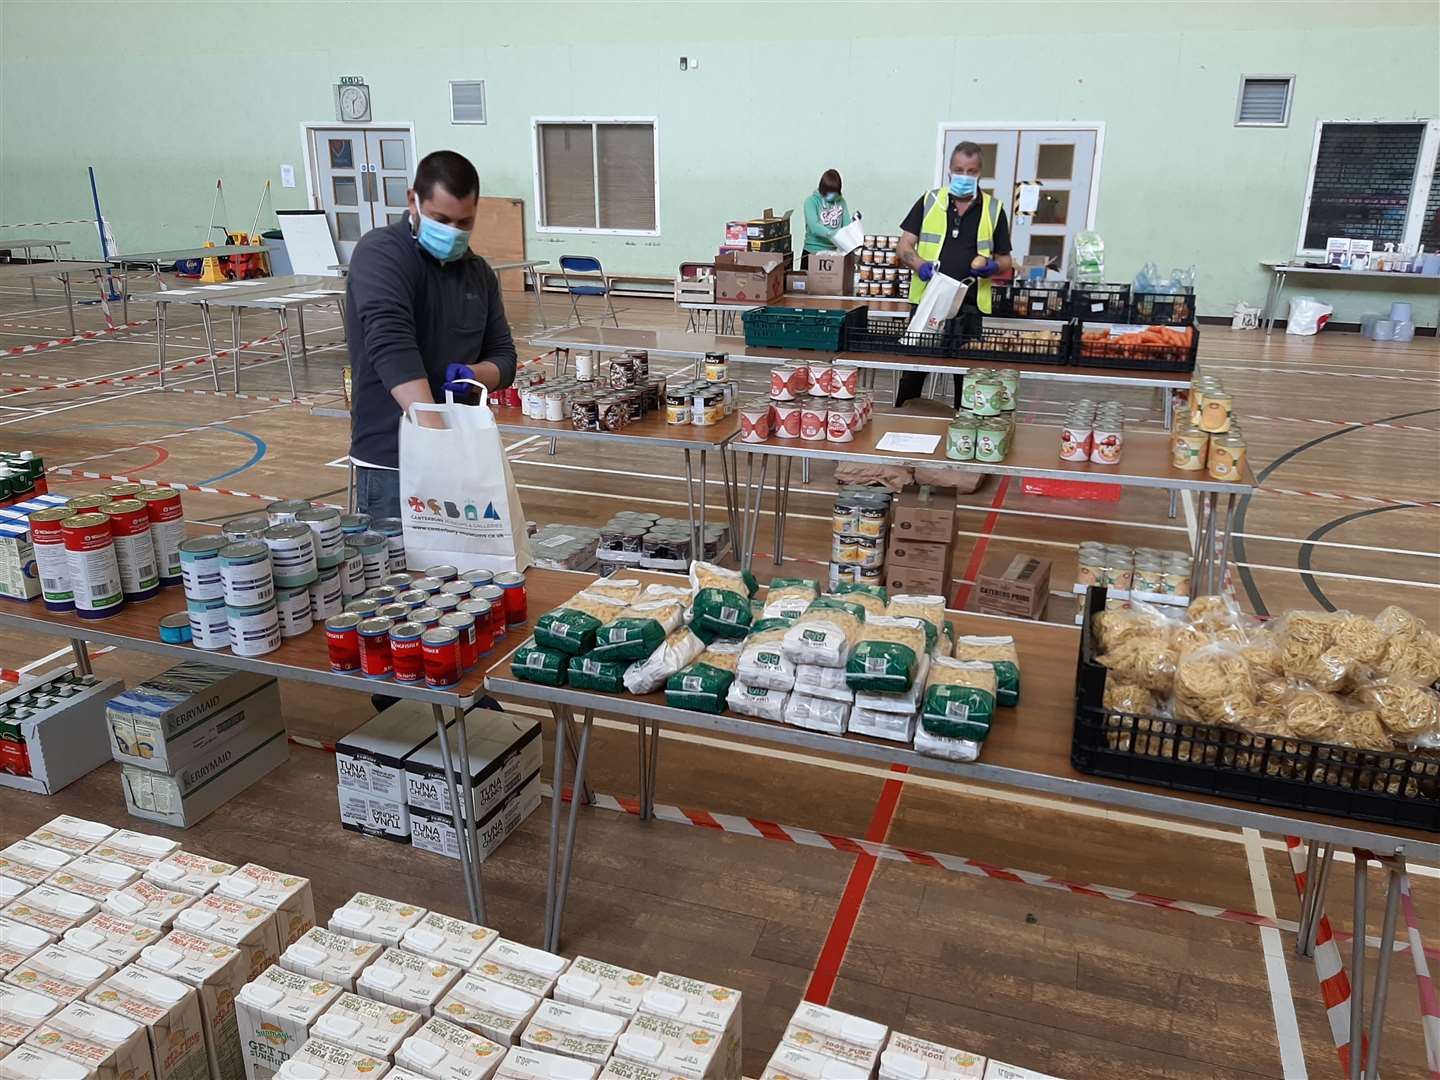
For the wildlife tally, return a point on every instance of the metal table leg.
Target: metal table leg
(300, 325)
(235, 344)
(644, 765)
(562, 886)
(1357, 968)
(350, 484)
(653, 771)
(729, 472)
(557, 796)
(1394, 873)
(472, 825)
(1230, 501)
(160, 339)
(566, 717)
(1197, 555)
(69, 299)
(690, 502)
(205, 321)
(125, 292)
(704, 492)
(753, 526)
(284, 348)
(81, 651)
(782, 502)
(458, 819)
(534, 274)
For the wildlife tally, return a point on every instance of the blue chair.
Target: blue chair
(591, 281)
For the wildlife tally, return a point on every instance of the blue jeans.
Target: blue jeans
(377, 492)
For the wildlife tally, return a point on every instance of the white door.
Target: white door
(361, 176)
(1062, 163)
(998, 150)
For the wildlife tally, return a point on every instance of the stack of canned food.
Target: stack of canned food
(860, 523)
(990, 391)
(637, 538)
(22, 476)
(1093, 432)
(428, 628)
(564, 547)
(1211, 440)
(880, 273)
(699, 401)
(975, 437)
(1148, 573)
(810, 401)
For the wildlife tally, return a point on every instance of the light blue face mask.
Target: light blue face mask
(445, 242)
(963, 186)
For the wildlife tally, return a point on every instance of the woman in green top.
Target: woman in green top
(825, 212)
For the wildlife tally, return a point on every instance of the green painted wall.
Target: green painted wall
(163, 98)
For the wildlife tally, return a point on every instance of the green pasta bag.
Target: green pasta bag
(887, 656)
(1001, 654)
(840, 604)
(877, 591)
(722, 612)
(703, 685)
(607, 676)
(571, 627)
(639, 631)
(959, 699)
(795, 583)
(531, 663)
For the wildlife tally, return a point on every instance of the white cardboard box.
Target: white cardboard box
(51, 909)
(141, 850)
(148, 904)
(834, 1034)
(370, 760)
(11, 889)
(906, 1057)
(92, 877)
(169, 1009)
(116, 1047)
(288, 895)
(374, 918)
(373, 816)
(998, 1070)
(188, 873)
(368, 1026)
(454, 941)
(435, 832)
(703, 1004)
(795, 1063)
(320, 1059)
(676, 1049)
(172, 718)
(407, 980)
(441, 1050)
(31, 863)
(241, 926)
(504, 753)
(522, 1063)
(500, 1013)
(110, 938)
(331, 957)
(522, 967)
(274, 1014)
(28, 1063)
(217, 973)
(249, 719)
(20, 941)
(73, 835)
(59, 973)
(22, 1011)
(598, 985)
(573, 1031)
(66, 741)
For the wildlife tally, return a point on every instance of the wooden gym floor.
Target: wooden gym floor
(1341, 432)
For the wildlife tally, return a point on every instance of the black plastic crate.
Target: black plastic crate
(1032, 300)
(1162, 308)
(1137, 356)
(1037, 345)
(802, 328)
(1095, 302)
(1393, 788)
(883, 335)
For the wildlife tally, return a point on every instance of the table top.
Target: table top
(254, 287)
(1028, 747)
(31, 241)
(1325, 271)
(1145, 461)
(145, 257)
(517, 264)
(279, 296)
(46, 269)
(687, 346)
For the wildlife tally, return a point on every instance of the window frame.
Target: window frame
(1420, 183)
(484, 102)
(1289, 100)
(536, 122)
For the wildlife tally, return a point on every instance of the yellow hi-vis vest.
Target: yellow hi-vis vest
(933, 229)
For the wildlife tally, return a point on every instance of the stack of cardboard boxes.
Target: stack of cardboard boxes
(920, 557)
(52, 730)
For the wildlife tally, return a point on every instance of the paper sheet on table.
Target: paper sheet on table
(908, 442)
(308, 295)
(329, 292)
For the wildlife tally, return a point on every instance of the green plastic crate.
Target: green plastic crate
(802, 328)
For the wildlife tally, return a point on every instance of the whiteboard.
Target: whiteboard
(308, 241)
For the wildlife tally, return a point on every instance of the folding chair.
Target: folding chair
(590, 282)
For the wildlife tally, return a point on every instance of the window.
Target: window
(1369, 181)
(467, 102)
(1264, 101)
(597, 175)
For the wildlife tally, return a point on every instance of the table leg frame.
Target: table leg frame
(558, 880)
(462, 809)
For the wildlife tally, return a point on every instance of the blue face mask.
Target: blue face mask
(445, 242)
(831, 196)
(963, 186)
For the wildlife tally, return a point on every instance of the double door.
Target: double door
(1060, 162)
(362, 176)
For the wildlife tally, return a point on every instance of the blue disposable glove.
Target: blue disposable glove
(990, 267)
(453, 374)
(926, 271)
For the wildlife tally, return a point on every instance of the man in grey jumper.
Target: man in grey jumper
(421, 312)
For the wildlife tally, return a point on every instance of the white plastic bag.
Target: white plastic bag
(1245, 317)
(850, 237)
(817, 714)
(1307, 316)
(677, 651)
(458, 500)
(897, 727)
(757, 701)
(939, 303)
(826, 682)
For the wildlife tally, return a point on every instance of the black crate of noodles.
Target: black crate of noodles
(1390, 787)
(1031, 300)
(1049, 343)
(1092, 301)
(1162, 308)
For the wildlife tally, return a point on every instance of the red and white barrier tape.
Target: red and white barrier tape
(175, 485)
(1345, 423)
(1340, 496)
(238, 397)
(1429, 1005)
(111, 380)
(1329, 968)
(88, 335)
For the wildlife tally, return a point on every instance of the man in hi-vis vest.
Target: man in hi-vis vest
(960, 231)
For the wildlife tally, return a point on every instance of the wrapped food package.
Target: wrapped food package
(826, 682)
(1000, 653)
(722, 612)
(887, 655)
(758, 701)
(677, 650)
(763, 662)
(571, 627)
(817, 714)
(703, 685)
(531, 663)
(929, 609)
(789, 597)
(607, 676)
(959, 700)
(639, 630)
(825, 633)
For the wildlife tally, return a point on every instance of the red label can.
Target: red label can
(167, 529)
(405, 652)
(463, 623)
(375, 660)
(495, 597)
(512, 584)
(484, 624)
(342, 638)
(440, 648)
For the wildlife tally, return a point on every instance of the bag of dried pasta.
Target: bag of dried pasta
(907, 703)
(639, 630)
(959, 699)
(825, 633)
(626, 589)
(704, 575)
(702, 685)
(677, 650)
(1114, 627)
(1143, 661)
(854, 590)
(1409, 712)
(929, 609)
(757, 701)
(607, 676)
(531, 663)
(817, 714)
(1411, 652)
(789, 597)
(887, 655)
(763, 661)
(827, 682)
(655, 591)
(1000, 653)
(722, 612)
(571, 627)
(1214, 685)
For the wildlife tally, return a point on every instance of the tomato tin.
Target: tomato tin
(480, 610)
(47, 538)
(440, 650)
(167, 530)
(512, 585)
(443, 571)
(342, 639)
(94, 570)
(495, 597)
(785, 420)
(812, 422)
(134, 550)
(463, 623)
(405, 652)
(374, 637)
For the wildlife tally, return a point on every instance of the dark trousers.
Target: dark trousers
(377, 493)
(912, 383)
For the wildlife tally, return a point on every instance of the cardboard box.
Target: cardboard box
(169, 720)
(519, 966)
(274, 1014)
(444, 1051)
(373, 816)
(906, 1057)
(695, 283)
(905, 579)
(65, 740)
(22, 1011)
(500, 1013)
(141, 850)
(522, 1063)
(1013, 585)
(767, 226)
(188, 873)
(95, 878)
(31, 863)
(19, 572)
(109, 938)
(148, 904)
(573, 1031)
(504, 753)
(842, 1037)
(217, 973)
(72, 835)
(11, 889)
(50, 909)
(32, 1063)
(200, 789)
(321, 1059)
(364, 1024)
(331, 957)
(435, 833)
(998, 1070)
(702, 1004)
(924, 513)
(675, 1048)
(789, 1062)
(750, 277)
(374, 918)
(371, 759)
(169, 1009)
(20, 941)
(59, 973)
(241, 926)
(409, 981)
(288, 895)
(449, 940)
(796, 281)
(777, 244)
(116, 1047)
(918, 554)
(828, 273)
(598, 985)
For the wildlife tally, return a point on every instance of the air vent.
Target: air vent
(1264, 101)
(467, 102)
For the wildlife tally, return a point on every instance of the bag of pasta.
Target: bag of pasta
(704, 575)
(999, 653)
(959, 700)
(789, 597)
(763, 661)
(531, 663)
(825, 633)
(1115, 626)
(639, 630)
(887, 655)
(1214, 685)
(677, 650)
(571, 627)
(929, 609)
(907, 702)
(826, 682)
(607, 676)
(817, 714)
(702, 685)
(854, 590)
(1408, 712)
(626, 589)
(722, 612)
(1411, 651)
(1310, 649)
(1143, 661)
(757, 701)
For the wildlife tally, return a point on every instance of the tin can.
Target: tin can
(822, 380)
(352, 573)
(785, 420)
(677, 406)
(209, 623)
(477, 577)
(585, 366)
(844, 381)
(413, 598)
(780, 389)
(393, 529)
(354, 524)
(812, 422)
(873, 519)
(1108, 442)
(122, 491)
(400, 582)
(292, 554)
(1188, 448)
(840, 422)
(396, 612)
(329, 539)
(245, 528)
(495, 596)
(326, 598)
(405, 660)
(1216, 411)
(245, 570)
(463, 623)
(443, 571)
(623, 372)
(755, 421)
(585, 414)
(512, 586)
(94, 569)
(960, 440)
(481, 612)
(363, 607)
(428, 585)
(844, 549)
(800, 378)
(1009, 380)
(47, 539)
(87, 504)
(989, 396)
(716, 369)
(1075, 441)
(283, 511)
(1226, 459)
(254, 630)
(293, 607)
(707, 406)
(458, 588)
(1090, 565)
(342, 641)
(440, 649)
(200, 568)
(374, 552)
(134, 550)
(425, 616)
(167, 530)
(374, 637)
(992, 442)
(557, 406)
(445, 602)
(845, 516)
